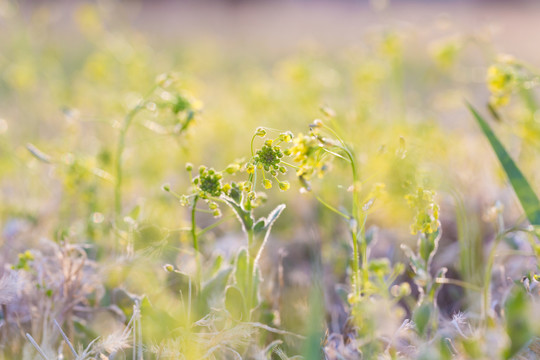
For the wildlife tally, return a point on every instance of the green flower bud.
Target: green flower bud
(232, 168)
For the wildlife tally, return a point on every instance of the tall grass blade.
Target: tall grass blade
(526, 195)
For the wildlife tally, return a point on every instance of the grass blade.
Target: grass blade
(526, 195)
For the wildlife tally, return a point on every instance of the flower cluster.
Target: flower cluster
(426, 219)
(208, 183)
(269, 158)
(502, 79)
(308, 152)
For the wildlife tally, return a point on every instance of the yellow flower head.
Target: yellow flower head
(308, 152)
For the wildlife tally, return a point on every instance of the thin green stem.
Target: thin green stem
(251, 273)
(358, 282)
(355, 265)
(214, 225)
(195, 239)
(252, 140)
(128, 119)
(331, 208)
(336, 154)
(364, 253)
(487, 276)
(194, 224)
(290, 165)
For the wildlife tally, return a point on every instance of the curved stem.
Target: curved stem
(252, 140)
(120, 151)
(214, 225)
(331, 208)
(290, 165)
(357, 234)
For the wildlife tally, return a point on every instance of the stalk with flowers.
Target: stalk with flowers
(262, 169)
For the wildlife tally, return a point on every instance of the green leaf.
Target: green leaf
(421, 318)
(518, 327)
(427, 246)
(273, 216)
(241, 273)
(213, 291)
(235, 303)
(243, 215)
(526, 195)
(158, 322)
(179, 282)
(259, 230)
(135, 212)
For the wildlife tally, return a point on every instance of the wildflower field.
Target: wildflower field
(370, 194)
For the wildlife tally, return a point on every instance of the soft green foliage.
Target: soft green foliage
(517, 314)
(345, 210)
(526, 195)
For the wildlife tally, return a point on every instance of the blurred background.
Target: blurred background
(70, 71)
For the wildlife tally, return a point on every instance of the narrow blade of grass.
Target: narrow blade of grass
(526, 195)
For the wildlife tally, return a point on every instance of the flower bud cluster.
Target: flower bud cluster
(426, 219)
